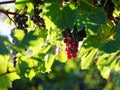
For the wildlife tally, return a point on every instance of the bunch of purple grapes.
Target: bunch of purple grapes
(20, 20)
(36, 18)
(72, 37)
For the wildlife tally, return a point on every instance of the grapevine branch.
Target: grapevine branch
(7, 13)
(7, 2)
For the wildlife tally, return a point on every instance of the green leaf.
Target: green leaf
(106, 63)
(3, 48)
(13, 75)
(85, 6)
(62, 57)
(31, 74)
(15, 48)
(117, 80)
(92, 20)
(105, 71)
(89, 49)
(87, 60)
(117, 36)
(3, 63)
(22, 68)
(30, 7)
(6, 80)
(20, 4)
(111, 46)
(5, 83)
(19, 35)
(6, 77)
(49, 61)
(62, 17)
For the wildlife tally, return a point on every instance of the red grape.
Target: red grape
(72, 39)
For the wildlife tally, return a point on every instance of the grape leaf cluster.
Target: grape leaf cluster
(20, 20)
(72, 37)
(36, 18)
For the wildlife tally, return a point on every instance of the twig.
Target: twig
(7, 14)
(7, 2)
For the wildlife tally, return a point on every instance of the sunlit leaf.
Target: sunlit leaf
(19, 35)
(62, 18)
(20, 4)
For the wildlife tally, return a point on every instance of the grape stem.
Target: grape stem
(7, 2)
(7, 14)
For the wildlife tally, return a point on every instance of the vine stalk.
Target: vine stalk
(7, 2)
(7, 14)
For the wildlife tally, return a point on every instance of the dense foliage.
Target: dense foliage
(38, 58)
